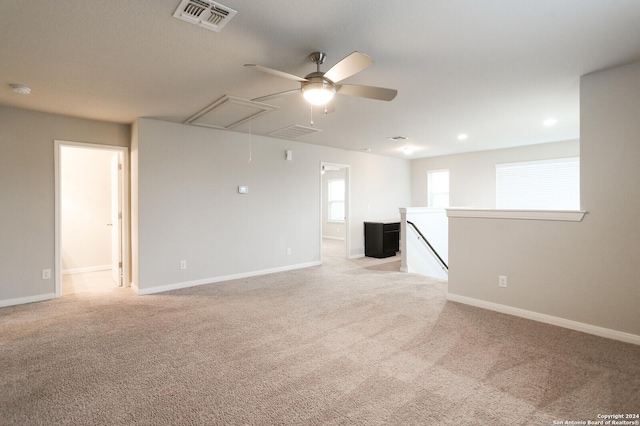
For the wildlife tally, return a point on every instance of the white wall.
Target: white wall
(334, 230)
(188, 207)
(86, 209)
(584, 272)
(472, 176)
(417, 256)
(27, 194)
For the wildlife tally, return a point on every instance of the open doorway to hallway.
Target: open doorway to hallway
(334, 207)
(87, 282)
(90, 225)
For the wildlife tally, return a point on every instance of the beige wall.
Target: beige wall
(184, 201)
(27, 194)
(472, 176)
(585, 271)
(188, 207)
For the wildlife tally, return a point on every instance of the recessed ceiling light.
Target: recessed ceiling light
(549, 122)
(462, 136)
(399, 138)
(408, 150)
(19, 88)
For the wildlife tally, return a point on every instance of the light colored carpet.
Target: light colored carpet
(352, 342)
(99, 281)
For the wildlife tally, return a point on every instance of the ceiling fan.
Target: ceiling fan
(319, 87)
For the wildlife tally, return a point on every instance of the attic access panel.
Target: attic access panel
(229, 112)
(204, 13)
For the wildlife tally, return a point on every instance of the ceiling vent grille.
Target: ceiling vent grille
(293, 132)
(207, 14)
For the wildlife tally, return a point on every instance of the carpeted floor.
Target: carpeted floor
(99, 281)
(352, 342)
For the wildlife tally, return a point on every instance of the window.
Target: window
(335, 196)
(438, 188)
(539, 185)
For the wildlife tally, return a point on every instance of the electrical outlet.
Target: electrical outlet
(502, 281)
(183, 264)
(46, 274)
(288, 252)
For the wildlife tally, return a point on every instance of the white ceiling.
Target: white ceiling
(494, 69)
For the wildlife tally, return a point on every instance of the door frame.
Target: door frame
(347, 206)
(124, 195)
(116, 178)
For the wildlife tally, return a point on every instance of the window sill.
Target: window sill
(555, 215)
(336, 221)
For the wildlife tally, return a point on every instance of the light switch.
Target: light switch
(243, 189)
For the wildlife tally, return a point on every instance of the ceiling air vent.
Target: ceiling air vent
(207, 14)
(293, 132)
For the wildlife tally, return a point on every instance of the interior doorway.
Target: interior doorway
(91, 226)
(334, 210)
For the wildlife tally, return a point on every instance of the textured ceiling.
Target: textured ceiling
(494, 69)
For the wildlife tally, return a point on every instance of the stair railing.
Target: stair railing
(444, 265)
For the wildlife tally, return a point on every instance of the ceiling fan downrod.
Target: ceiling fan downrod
(318, 59)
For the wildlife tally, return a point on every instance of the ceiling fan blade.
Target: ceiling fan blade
(370, 92)
(352, 64)
(276, 72)
(275, 95)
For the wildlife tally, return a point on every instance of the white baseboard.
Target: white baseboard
(547, 319)
(23, 300)
(86, 269)
(176, 286)
(356, 253)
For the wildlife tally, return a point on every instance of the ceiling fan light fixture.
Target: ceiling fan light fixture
(318, 92)
(319, 96)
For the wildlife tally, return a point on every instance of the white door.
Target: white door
(116, 219)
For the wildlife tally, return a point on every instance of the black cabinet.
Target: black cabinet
(381, 239)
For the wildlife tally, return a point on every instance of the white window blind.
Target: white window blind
(336, 200)
(438, 188)
(539, 185)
